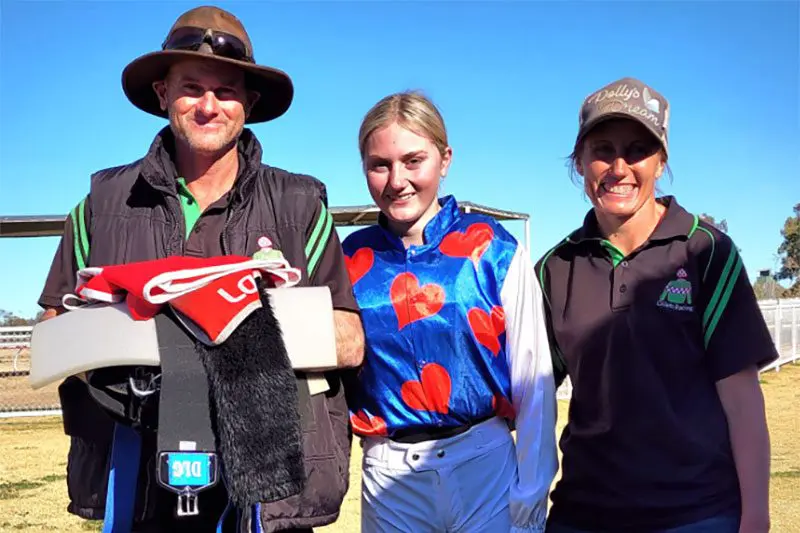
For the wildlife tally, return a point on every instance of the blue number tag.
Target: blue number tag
(189, 469)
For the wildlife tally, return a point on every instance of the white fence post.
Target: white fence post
(777, 315)
(794, 333)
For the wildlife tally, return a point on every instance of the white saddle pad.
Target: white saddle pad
(98, 336)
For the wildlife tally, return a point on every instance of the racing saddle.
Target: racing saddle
(149, 376)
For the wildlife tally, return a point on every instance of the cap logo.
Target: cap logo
(620, 92)
(627, 99)
(610, 106)
(650, 102)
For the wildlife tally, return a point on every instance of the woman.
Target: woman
(457, 349)
(654, 316)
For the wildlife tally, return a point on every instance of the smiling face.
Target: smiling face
(403, 172)
(207, 104)
(620, 161)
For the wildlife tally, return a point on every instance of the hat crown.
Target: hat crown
(630, 98)
(197, 34)
(215, 19)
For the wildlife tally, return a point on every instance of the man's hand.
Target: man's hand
(349, 338)
(49, 313)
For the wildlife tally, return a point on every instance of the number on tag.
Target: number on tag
(189, 469)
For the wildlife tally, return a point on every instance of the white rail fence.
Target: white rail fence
(18, 399)
(781, 316)
(15, 340)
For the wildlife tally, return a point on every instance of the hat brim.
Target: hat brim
(274, 86)
(589, 126)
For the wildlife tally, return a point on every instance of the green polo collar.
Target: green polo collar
(676, 223)
(189, 206)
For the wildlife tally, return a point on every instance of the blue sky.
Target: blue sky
(508, 76)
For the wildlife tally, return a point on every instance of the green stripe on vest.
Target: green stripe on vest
(79, 234)
(319, 239)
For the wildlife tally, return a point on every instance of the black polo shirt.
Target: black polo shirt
(644, 338)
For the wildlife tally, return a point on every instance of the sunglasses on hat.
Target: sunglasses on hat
(222, 44)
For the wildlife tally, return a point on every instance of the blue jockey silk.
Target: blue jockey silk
(434, 322)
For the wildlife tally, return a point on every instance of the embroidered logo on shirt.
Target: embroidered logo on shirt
(677, 295)
(266, 252)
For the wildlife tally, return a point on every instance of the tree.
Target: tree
(767, 287)
(9, 319)
(789, 253)
(722, 225)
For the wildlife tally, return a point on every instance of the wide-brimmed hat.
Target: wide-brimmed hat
(212, 34)
(625, 98)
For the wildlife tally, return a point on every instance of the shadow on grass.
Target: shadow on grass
(793, 473)
(12, 489)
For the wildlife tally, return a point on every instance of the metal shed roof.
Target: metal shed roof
(357, 215)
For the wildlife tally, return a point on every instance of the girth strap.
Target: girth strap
(184, 411)
(186, 462)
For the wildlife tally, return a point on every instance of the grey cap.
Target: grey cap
(626, 98)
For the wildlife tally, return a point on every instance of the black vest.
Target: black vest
(136, 215)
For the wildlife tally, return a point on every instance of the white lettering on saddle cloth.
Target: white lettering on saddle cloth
(219, 307)
(246, 285)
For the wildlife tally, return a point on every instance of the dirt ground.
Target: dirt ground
(33, 468)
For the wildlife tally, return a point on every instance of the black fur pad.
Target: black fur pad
(254, 411)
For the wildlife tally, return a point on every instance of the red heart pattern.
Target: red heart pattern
(359, 264)
(471, 244)
(487, 328)
(431, 392)
(412, 302)
(368, 426)
(502, 407)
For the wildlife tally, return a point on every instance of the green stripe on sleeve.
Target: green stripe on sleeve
(319, 248)
(713, 247)
(726, 295)
(82, 227)
(723, 279)
(321, 221)
(556, 356)
(544, 264)
(695, 225)
(77, 249)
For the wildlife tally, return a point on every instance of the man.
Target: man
(201, 190)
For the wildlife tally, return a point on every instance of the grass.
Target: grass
(33, 494)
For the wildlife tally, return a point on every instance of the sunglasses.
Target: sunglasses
(222, 44)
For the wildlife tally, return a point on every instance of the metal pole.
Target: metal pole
(528, 233)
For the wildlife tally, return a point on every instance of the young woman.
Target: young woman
(654, 316)
(457, 348)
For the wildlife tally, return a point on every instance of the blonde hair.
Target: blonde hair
(411, 110)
